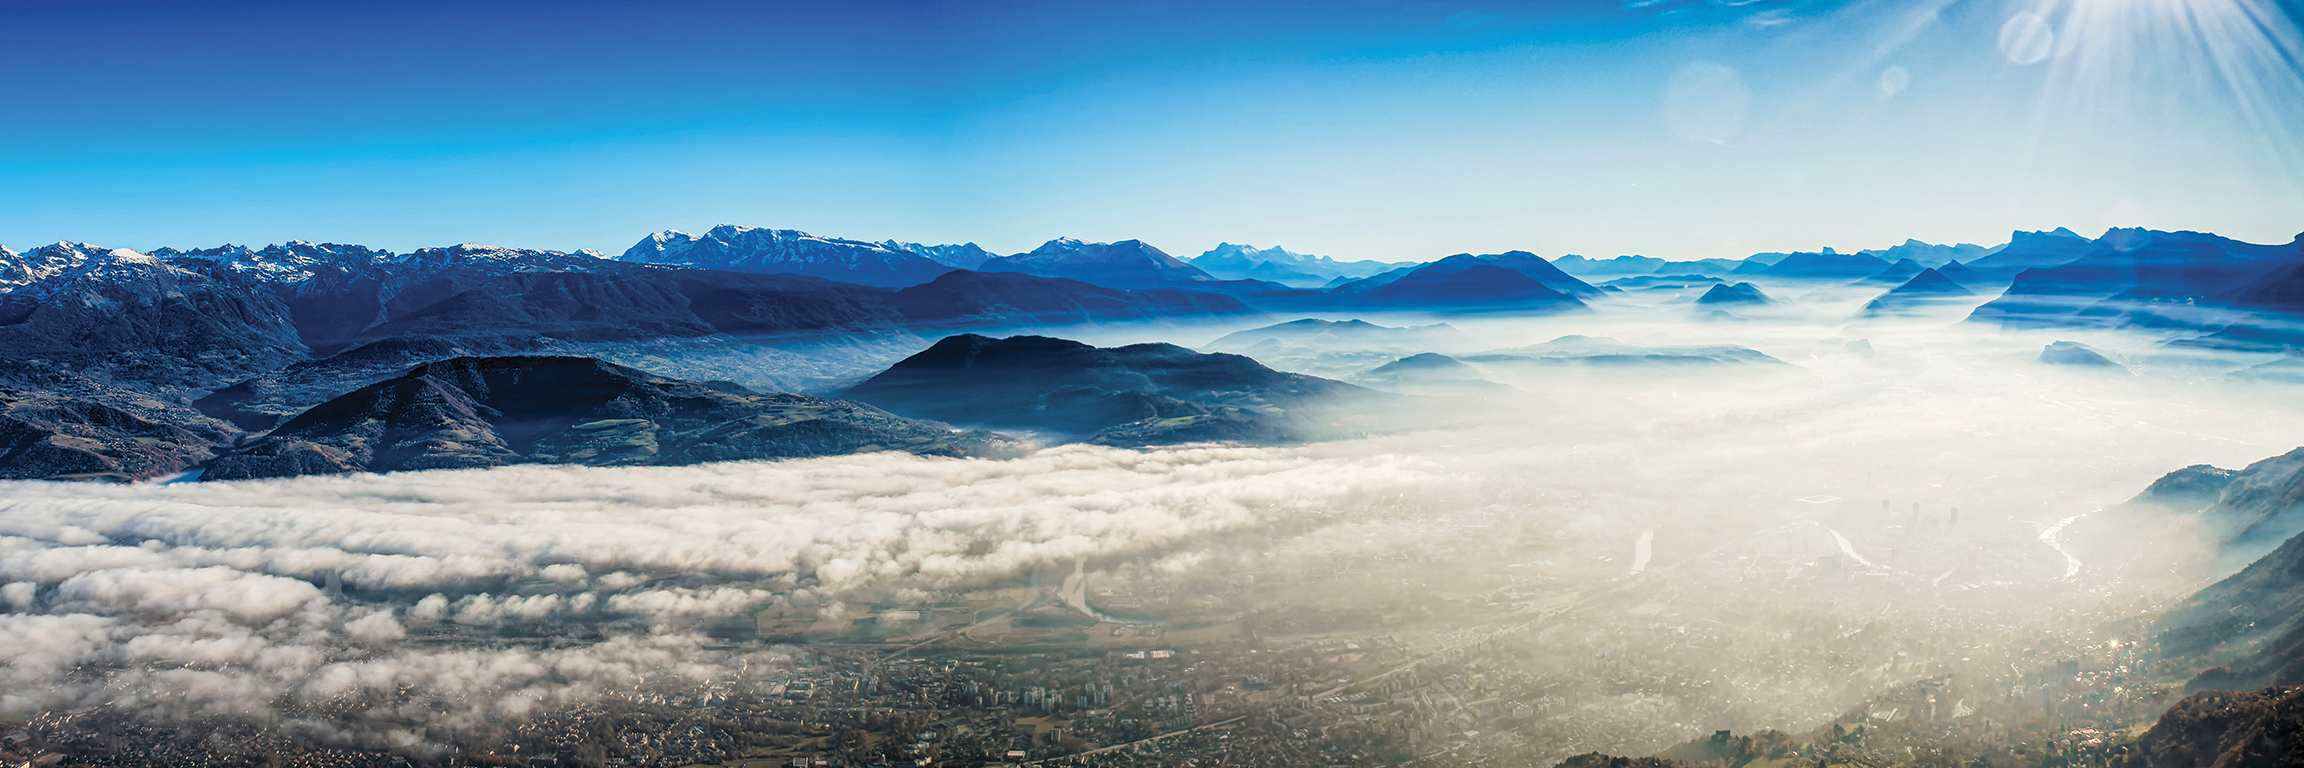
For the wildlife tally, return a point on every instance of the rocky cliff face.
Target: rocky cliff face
(127, 315)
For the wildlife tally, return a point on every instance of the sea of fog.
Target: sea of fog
(1779, 542)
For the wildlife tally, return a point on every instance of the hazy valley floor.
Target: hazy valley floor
(1621, 560)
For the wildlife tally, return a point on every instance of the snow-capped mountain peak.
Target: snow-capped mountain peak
(21, 269)
(739, 248)
(1125, 264)
(492, 259)
(964, 256)
(286, 263)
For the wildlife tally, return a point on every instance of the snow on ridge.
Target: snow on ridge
(132, 256)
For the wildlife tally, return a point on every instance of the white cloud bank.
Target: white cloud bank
(211, 598)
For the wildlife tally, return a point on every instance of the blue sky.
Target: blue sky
(1356, 128)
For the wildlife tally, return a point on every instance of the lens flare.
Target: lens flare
(2026, 39)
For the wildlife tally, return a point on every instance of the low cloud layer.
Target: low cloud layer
(284, 596)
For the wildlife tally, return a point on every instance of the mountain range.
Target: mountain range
(783, 251)
(1280, 265)
(1130, 264)
(1620, 265)
(2032, 250)
(1927, 254)
(2023, 251)
(116, 313)
(1133, 265)
(139, 364)
(1825, 264)
(2175, 281)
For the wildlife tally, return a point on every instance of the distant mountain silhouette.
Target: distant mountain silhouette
(2136, 278)
(1604, 352)
(1530, 265)
(492, 411)
(1661, 282)
(1614, 267)
(1960, 273)
(1740, 294)
(1924, 289)
(1717, 267)
(1133, 395)
(2078, 355)
(1475, 286)
(1426, 363)
(1247, 262)
(2032, 250)
(1826, 264)
(1009, 298)
(1430, 373)
(1895, 274)
(1928, 255)
(1339, 334)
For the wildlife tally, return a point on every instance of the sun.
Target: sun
(2246, 56)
